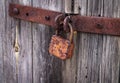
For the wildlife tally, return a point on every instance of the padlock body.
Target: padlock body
(60, 47)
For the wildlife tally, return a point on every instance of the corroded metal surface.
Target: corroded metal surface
(33, 14)
(60, 47)
(99, 25)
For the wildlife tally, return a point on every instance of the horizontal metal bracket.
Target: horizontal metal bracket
(99, 25)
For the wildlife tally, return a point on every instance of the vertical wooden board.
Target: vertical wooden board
(109, 67)
(46, 68)
(69, 66)
(83, 42)
(25, 43)
(83, 48)
(116, 46)
(2, 33)
(110, 60)
(95, 45)
(83, 7)
(88, 58)
(98, 60)
(9, 57)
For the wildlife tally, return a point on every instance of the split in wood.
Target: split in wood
(16, 47)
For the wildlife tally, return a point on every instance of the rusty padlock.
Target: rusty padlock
(60, 47)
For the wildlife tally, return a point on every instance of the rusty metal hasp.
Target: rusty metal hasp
(99, 25)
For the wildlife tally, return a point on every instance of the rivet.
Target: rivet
(27, 14)
(47, 17)
(99, 26)
(16, 11)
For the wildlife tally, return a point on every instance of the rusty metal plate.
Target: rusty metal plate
(28, 13)
(99, 25)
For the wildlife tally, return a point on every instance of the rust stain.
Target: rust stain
(60, 47)
(99, 25)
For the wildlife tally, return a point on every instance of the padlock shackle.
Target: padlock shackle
(71, 33)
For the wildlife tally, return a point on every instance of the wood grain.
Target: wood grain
(9, 57)
(46, 68)
(2, 33)
(98, 54)
(96, 57)
(69, 67)
(25, 42)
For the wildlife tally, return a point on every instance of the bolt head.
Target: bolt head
(16, 11)
(47, 17)
(99, 26)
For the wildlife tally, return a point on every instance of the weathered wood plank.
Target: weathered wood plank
(83, 49)
(9, 56)
(25, 42)
(46, 68)
(95, 47)
(83, 7)
(110, 59)
(95, 60)
(69, 67)
(98, 60)
(2, 33)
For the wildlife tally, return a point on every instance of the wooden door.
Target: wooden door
(95, 60)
